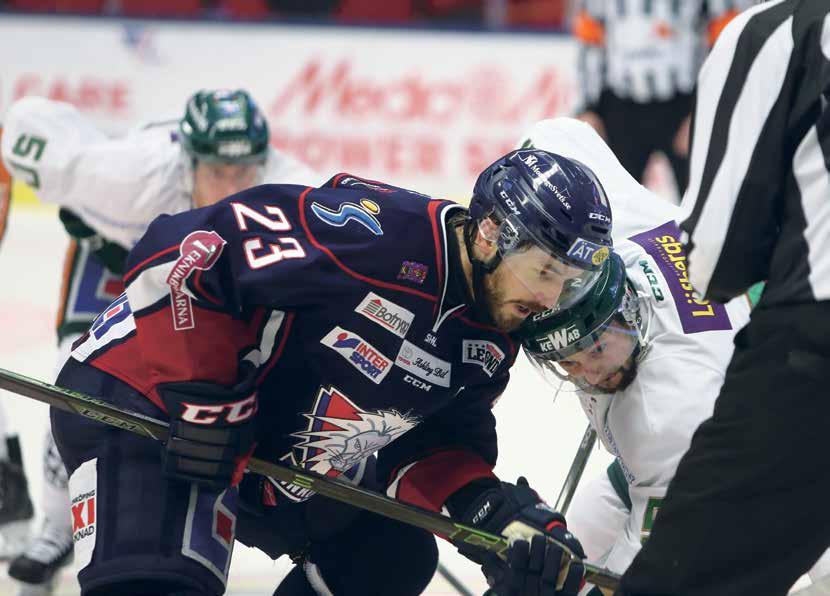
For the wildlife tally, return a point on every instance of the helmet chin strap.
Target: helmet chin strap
(480, 270)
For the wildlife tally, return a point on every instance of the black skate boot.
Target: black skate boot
(16, 509)
(44, 556)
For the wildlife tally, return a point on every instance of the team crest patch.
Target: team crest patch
(364, 214)
(359, 353)
(340, 434)
(414, 272)
(485, 354)
(198, 251)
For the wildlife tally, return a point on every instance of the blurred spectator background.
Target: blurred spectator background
(489, 13)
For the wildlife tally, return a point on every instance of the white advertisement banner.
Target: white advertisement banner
(422, 109)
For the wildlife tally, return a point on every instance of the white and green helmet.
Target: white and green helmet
(224, 126)
(612, 306)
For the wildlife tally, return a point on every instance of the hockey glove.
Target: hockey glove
(212, 433)
(539, 560)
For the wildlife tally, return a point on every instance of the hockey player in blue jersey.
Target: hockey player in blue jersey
(317, 327)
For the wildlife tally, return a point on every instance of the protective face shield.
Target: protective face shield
(607, 362)
(596, 346)
(554, 282)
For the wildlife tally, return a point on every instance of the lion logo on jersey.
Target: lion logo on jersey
(340, 435)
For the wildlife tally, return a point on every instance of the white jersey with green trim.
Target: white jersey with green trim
(647, 426)
(117, 186)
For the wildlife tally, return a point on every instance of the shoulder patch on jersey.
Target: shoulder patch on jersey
(413, 271)
(696, 314)
(363, 213)
(198, 251)
(387, 314)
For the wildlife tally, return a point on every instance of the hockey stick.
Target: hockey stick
(562, 502)
(453, 581)
(333, 488)
(572, 479)
(577, 467)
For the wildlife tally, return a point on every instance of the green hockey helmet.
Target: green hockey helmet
(596, 343)
(224, 126)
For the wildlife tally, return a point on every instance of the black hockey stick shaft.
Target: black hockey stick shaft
(333, 488)
(453, 581)
(583, 452)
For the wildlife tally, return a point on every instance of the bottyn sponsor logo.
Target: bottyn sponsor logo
(485, 354)
(359, 353)
(387, 314)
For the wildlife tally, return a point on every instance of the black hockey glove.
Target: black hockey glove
(539, 560)
(212, 432)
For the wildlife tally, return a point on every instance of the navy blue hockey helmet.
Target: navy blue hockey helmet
(557, 204)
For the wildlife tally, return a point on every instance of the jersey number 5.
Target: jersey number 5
(274, 221)
(28, 146)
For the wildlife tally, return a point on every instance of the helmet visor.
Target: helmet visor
(550, 280)
(601, 362)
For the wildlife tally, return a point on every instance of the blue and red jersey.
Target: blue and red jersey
(333, 303)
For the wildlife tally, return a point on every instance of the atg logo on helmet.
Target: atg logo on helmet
(588, 253)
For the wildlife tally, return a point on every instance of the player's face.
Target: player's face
(525, 282)
(608, 364)
(215, 181)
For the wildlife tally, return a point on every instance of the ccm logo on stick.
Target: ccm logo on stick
(233, 412)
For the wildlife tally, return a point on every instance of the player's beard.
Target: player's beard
(507, 314)
(627, 372)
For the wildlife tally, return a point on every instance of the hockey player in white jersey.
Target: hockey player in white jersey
(108, 191)
(645, 356)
